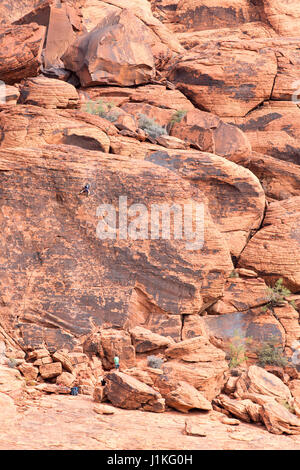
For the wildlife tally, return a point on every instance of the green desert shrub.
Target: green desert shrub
(101, 108)
(277, 296)
(270, 353)
(237, 350)
(289, 406)
(177, 117)
(154, 362)
(149, 125)
(234, 274)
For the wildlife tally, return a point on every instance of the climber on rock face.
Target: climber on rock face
(117, 362)
(85, 189)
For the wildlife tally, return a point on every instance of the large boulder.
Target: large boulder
(62, 21)
(274, 129)
(116, 343)
(197, 15)
(227, 78)
(94, 11)
(197, 349)
(256, 380)
(158, 96)
(145, 340)
(116, 52)
(209, 133)
(279, 179)
(48, 93)
(30, 126)
(279, 420)
(245, 410)
(283, 15)
(127, 392)
(20, 52)
(197, 362)
(185, 397)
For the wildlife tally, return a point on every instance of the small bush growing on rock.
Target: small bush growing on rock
(177, 117)
(277, 296)
(12, 363)
(149, 125)
(270, 353)
(154, 362)
(237, 350)
(101, 108)
(287, 405)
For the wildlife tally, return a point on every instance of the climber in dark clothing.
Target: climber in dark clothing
(85, 190)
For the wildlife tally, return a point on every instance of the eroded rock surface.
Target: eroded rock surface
(53, 251)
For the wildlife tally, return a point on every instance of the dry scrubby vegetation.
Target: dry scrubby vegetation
(270, 352)
(101, 108)
(154, 362)
(236, 353)
(105, 109)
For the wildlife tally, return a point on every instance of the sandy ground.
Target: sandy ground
(63, 422)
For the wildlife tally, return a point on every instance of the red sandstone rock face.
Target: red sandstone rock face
(235, 197)
(209, 133)
(63, 252)
(163, 41)
(127, 392)
(288, 316)
(253, 30)
(49, 93)
(241, 295)
(20, 51)
(11, 11)
(274, 130)
(279, 179)
(283, 15)
(8, 411)
(34, 126)
(227, 78)
(274, 250)
(62, 21)
(199, 15)
(97, 61)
